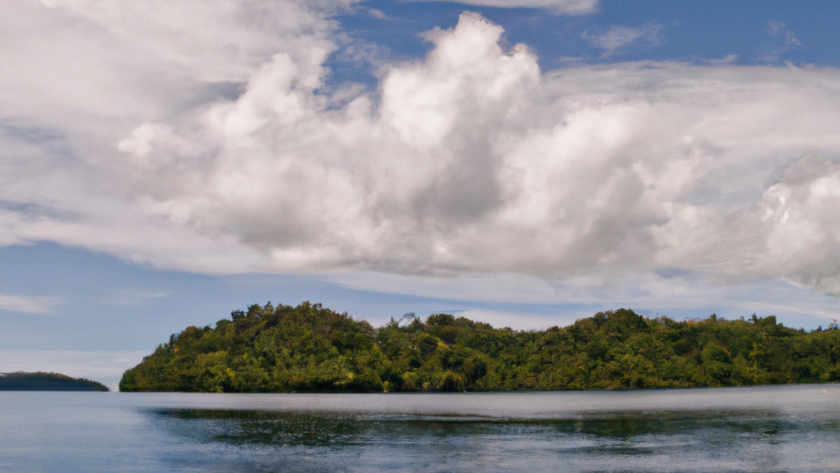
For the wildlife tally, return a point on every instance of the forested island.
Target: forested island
(41, 381)
(312, 349)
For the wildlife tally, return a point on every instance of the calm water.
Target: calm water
(790, 428)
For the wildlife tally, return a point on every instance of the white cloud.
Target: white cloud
(542, 303)
(563, 7)
(616, 37)
(787, 41)
(378, 14)
(729, 59)
(778, 28)
(86, 74)
(220, 153)
(27, 304)
(775, 27)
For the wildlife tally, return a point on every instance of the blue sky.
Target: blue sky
(527, 166)
(756, 32)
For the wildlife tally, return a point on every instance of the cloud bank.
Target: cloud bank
(153, 140)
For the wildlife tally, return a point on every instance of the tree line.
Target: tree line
(43, 381)
(309, 348)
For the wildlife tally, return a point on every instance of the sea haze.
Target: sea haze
(760, 429)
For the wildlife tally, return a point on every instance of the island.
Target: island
(310, 348)
(41, 381)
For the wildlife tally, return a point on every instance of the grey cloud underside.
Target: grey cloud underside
(471, 160)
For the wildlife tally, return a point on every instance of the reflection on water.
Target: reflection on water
(704, 440)
(786, 428)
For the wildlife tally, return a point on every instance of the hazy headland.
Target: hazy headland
(42, 381)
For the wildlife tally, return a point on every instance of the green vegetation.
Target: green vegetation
(41, 381)
(312, 349)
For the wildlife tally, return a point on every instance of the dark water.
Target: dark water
(790, 428)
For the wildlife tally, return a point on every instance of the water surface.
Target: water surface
(787, 428)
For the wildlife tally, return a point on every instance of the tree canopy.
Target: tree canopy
(309, 348)
(41, 381)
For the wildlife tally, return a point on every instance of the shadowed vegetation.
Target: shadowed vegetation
(312, 349)
(41, 381)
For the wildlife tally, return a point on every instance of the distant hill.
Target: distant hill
(41, 381)
(312, 349)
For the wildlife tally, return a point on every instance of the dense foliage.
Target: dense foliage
(312, 349)
(41, 381)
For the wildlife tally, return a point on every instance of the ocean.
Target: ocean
(755, 429)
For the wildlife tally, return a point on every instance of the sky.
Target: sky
(521, 162)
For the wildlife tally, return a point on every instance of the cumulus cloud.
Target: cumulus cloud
(802, 216)
(563, 7)
(85, 73)
(471, 160)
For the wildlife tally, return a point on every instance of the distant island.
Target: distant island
(41, 381)
(312, 349)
